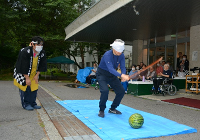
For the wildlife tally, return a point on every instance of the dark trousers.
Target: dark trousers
(156, 83)
(28, 97)
(104, 78)
(88, 78)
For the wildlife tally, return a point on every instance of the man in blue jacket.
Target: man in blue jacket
(107, 74)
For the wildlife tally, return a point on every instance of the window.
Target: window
(87, 64)
(75, 68)
(152, 55)
(80, 64)
(93, 63)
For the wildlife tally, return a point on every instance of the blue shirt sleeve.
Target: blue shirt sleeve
(110, 66)
(122, 64)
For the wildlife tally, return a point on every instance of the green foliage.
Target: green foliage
(23, 19)
(54, 70)
(7, 56)
(60, 75)
(98, 50)
(7, 76)
(79, 49)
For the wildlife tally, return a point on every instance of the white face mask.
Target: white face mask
(133, 68)
(38, 48)
(184, 58)
(158, 64)
(137, 68)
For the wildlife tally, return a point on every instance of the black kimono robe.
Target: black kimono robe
(24, 64)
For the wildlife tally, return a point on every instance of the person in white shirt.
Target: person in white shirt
(92, 74)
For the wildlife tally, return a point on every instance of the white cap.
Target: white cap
(118, 45)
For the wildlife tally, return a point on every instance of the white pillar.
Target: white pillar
(137, 52)
(194, 46)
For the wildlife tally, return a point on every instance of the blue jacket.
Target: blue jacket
(110, 62)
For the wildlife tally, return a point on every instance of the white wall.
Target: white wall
(194, 46)
(128, 55)
(90, 58)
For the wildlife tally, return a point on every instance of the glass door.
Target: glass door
(152, 56)
(155, 53)
(160, 52)
(170, 55)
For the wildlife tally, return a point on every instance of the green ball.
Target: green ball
(136, 120)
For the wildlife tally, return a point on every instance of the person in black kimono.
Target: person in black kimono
(31, 61)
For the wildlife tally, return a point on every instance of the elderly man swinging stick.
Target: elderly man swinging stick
(107, 74)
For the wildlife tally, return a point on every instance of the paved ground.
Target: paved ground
(16, 123)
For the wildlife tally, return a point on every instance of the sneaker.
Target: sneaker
(101, 114)
(29, 108)
(36, 107)
(115, 111)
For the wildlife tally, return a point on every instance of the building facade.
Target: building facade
(90, 59)
(153, 28)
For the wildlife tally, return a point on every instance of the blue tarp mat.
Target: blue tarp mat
(81, 87)
(116, 127)
(83, 73)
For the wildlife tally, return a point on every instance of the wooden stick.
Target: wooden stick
(146, 67)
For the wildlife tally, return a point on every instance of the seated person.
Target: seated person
(92, 74)
(159, 69)
(151, 74)
(163, 63)
(166, 74)
(141, 65)
(132, 73)
(170, 67)
(138, 67)
(142, 73)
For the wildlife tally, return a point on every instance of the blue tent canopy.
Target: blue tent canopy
(60, 60)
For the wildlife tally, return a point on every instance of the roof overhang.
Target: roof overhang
(108, 20)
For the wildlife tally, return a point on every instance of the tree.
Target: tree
(70, 48)
(8, 41)
(98, 50)
(77, 49)
(23, 19)
(83, 5)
